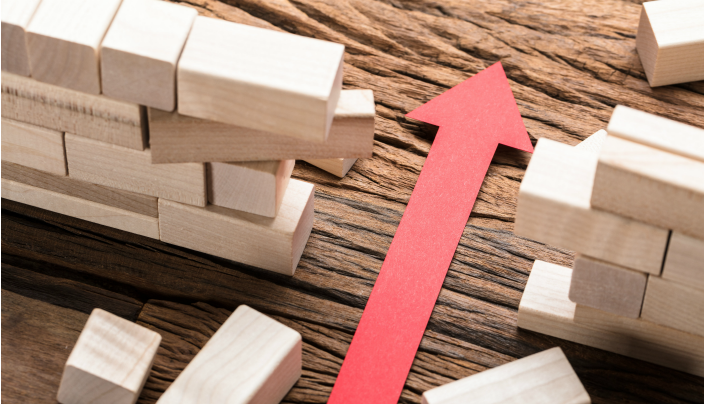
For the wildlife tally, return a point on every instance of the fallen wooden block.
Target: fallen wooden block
(593, 143)
(674, 305)
(546, 377)
(33, 146)
(274, 244)
(139, 54)
(16, 15)
(670, 41)
(110, 361)
(338, 167)
(684, 262)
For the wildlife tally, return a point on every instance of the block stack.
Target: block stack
(143, 116)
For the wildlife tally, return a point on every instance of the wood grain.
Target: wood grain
(33, 146)
(674, 305)
(684, 262)
(16, 15)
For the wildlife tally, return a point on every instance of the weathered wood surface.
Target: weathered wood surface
(569, 64)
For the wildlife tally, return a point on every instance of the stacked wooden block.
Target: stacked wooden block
(143, 116)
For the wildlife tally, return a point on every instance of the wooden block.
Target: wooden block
(554, 208)
(338, 167)
(260, 79)
(176, 138)
(131, 170)
(110, 362)
(670, 41)
(139, 54)
(33, 146)
(275, 244)
(545, 308)
(593, 143)
(63, 40)
(650, 185)
(674, 305)
(16, 15)
(256, 187)
(546, 377)
(57, 108)
(684, 262)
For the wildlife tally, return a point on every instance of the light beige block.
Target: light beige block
(33, 146)
(593, 143)
(674, 305)
(109, 363)
(16, 15)
(139, 54)
(338, 167)
(274, 244)
(250, 359)
(684, 262)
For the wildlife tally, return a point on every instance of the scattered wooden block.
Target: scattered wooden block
(593, 143)
(554, 208)
(684, 262)
(275, 244)
(670, 41)
(139, 54)
(16, 15)
(674, 305)
(33, 146)
(131, 170)
(110, 362)
(338, 167)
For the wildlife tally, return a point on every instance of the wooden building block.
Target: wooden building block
(131, 170)
(338, 167)
(110, 361)
(92, 116)
(139, 54)
(545, 308)
(176, 138)
(16, 15)
(554, 208)
(543, 378)
(670, 41)
(684, 262)
(274, 244)
(260, 79)
(674, 305)
(256, 187)
(33, 146)
(63, 41)
(593, 143)
(651, 186)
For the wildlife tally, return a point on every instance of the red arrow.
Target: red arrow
(474, 117)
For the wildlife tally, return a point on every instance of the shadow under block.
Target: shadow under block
(176, 138)
(110, 361)
(250, 359)
(33, 146)
(260, 79)
(674, 305)
(255, 187)
(139, 54)
(554, 208)
(545, 308)
(685, 261)
(131, 170)
(338, 167)
(670, 41)
(63, 41)
(93, 116)
(274, 244)
(16, 15)
(543, 378)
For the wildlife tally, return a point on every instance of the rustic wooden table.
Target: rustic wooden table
(569, 63)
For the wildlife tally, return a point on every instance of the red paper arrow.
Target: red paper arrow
(474, 117)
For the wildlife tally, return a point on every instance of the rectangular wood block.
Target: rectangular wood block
(274, 244)
(545, 308)
(250, 359)
(542, 378)
(554, 208)
(338, 167)
(684, 262)
(674, 305)
(33, 146)
(593, 143)
(16, 15)
(139, 54)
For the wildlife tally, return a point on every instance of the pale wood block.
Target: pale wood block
(260, 79)
(250, 359)
(274, 244)
(554, 208)
(674, 305)
(593, 143)
(16, 15)
(684, 262)
(139, 54)
(670, 41)
(92, 116)
(338, 167)
(546, 378)
(256, 187)
(545, 308)
(33, 146)
(63, 41)
(650, 185)
(176, 138)
(109, 363)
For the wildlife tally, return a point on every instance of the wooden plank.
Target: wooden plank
(554, 208)
(260, 79)
(275, 244)
(256, 187)
(33, 146)
(338, 167)
(57, 108)
(131, 170)
(674, 305)
(139, 54)
(684, 262)
(16, 15)
(250, 359)
(593, 143)
(545, 308)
